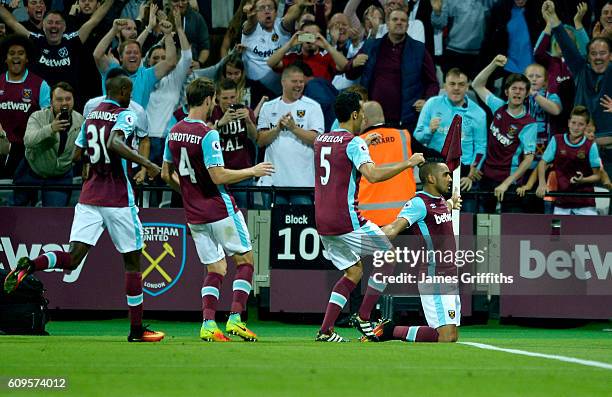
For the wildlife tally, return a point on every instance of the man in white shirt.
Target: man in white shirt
(287, 127)
(263, 33)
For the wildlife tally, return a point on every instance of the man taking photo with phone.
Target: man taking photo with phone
(236, 125)
(49, 142)
(322, 57)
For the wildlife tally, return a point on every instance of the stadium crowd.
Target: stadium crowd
(538, 116)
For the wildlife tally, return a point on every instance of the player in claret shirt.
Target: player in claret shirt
(216, 224)
(106, 202)
(428, 216)
(340, 160)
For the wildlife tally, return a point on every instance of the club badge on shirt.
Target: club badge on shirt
(512, 130)
(26, 95)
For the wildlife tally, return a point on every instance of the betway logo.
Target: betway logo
(54, 63)
(443, 218)
(504, 140)
(12, 255)
(10, 105)
(559, 264)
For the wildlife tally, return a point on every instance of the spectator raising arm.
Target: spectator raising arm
(574, 60)
(103, 60)
(11, 22)
(480, 81)
(250, 24)
(180, 31)
(94, 20)
(166, 66)
(293, 14)
(150, 26)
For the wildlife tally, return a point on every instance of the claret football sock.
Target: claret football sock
(337, 300)
(133, 290)
(52, 260)
(374, 290)
(415, 334)
(210, 295)
(242, 287)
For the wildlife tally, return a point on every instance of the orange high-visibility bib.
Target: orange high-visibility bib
(381, 202)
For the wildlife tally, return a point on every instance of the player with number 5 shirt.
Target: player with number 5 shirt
(340, 160)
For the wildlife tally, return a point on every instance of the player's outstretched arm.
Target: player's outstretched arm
(224, 176)
(374, 173)
(117, 144)
(170, 177)
(393, 229)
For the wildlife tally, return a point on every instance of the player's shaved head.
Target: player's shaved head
(373, 113)
(198, 90)
(119, 86)
(116, 79)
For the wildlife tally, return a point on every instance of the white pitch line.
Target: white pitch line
(589, 363)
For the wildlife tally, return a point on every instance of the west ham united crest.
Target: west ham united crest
(26, 95)
(451, 314)
(301, 113)
(164, 251)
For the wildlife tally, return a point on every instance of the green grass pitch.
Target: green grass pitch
(97, 361)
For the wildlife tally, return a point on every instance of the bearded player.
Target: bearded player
(428, 217)
(216, 224)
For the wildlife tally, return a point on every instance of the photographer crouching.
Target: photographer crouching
(49, 143)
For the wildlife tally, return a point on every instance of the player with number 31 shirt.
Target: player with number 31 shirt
(106, 201)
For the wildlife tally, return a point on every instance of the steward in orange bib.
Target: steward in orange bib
(382, 202)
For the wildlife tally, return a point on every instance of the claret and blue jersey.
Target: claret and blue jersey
(338, 156)
(193, 148)
(108, 184)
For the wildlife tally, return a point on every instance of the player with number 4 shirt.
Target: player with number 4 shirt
(341, 158)
(216, 224)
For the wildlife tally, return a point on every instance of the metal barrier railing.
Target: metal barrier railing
(274, 190)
